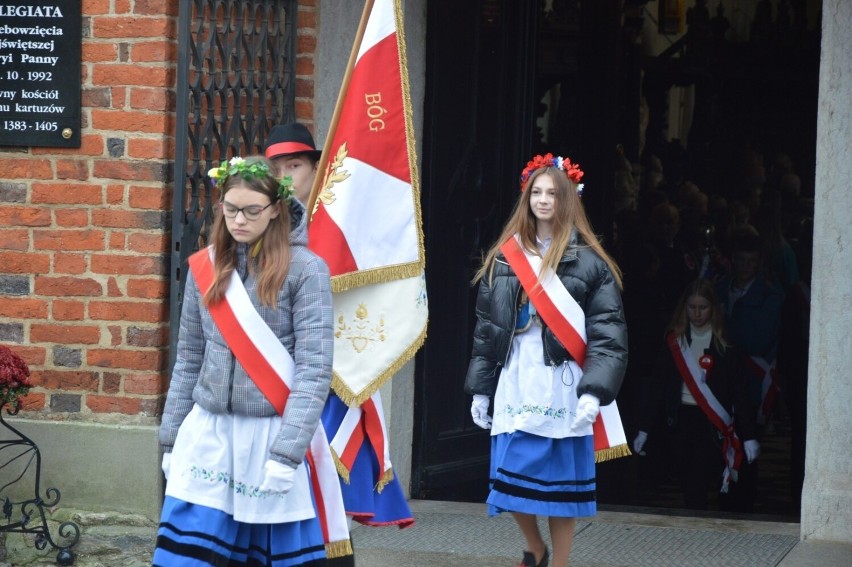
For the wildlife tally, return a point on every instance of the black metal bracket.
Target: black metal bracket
(28, 516)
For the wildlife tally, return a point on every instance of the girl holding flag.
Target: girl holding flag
(700, 390)
(550, 347)
(241, 429)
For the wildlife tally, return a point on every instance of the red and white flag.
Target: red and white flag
(365, 221)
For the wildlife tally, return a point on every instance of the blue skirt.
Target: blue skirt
(360, 498)
(542, 476)
(191, 535)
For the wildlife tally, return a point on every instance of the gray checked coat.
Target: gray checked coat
(207, 373)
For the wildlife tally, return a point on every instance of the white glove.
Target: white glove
(639, 443)
(167, 463)
(479, 411)
(588, 407)
(752, 450)
(279, 478)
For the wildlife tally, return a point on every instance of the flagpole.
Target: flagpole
(338, 108)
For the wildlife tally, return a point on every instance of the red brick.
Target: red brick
(115, 194)
(111, 383)
(70, 263)
(67, 380)
(96, 97)
(153, 52)
(72, 169)
(304, 110)
(131, 170)
(123, 358)
(67, 286)
(117, 240)
(68, 310)
(90, 145)
(132, 75)
(142, 337)
(33, 356)
(149, 243)
(119, 97)
(65, 334)
(304, 88)
(15, 239)
(304, 66)
(99, 52)
(23, 308)
(156, 7)
(68, 240)
(152, 99)
(20, 263)
(142, 311)
(129, 121)
(114, 290)
(67, 194)
(115, 335)
(160, 148)
(24, 216)
(116, 264)
(121, 7)
(124, 27)
(145, 384)
(71, 217)
(158, 198)
(27, 168)
(148, 288)
(34, 401)
(114, 404)
(94, 7)
(119, 218)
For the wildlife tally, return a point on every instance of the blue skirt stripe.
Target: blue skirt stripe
(191, 535)
(542, 476)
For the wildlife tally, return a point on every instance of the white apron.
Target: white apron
(218, 461)
(533, 397)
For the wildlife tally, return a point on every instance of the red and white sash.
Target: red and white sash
(695, 381)
(564, 316)
(360, 422)
(271, 368)
(766, 373)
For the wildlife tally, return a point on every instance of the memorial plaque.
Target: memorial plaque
(40, 73)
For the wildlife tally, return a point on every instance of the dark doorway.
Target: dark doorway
(508, 79)
(497, 71)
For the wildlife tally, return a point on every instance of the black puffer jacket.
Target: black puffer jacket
(589, 281)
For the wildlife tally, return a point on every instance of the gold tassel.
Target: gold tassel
(373, 276)
(612, 453)
(338, 464)
(341, 548)
(384, 480)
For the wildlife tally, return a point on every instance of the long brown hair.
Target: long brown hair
(272, 261)
(569, 214)
(680, 320)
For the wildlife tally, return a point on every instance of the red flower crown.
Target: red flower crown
(571, 169)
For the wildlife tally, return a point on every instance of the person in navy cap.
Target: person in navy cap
(291, 149)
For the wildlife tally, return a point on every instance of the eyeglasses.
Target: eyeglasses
(252, 212)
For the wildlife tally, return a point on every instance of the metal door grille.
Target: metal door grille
(235, 80)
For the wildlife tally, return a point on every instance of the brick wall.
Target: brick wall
(85, 233)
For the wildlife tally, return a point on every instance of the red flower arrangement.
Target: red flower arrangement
(571, 169)
(14, 378)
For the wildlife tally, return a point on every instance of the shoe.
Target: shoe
(529, 559)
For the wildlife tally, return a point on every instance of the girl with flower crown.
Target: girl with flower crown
(549, 347)
(252, 373)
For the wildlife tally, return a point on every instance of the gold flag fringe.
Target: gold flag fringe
(340, 548)
(612, 453)
(384, 480)
(373, 276)
(355, 399)
(342, 471)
